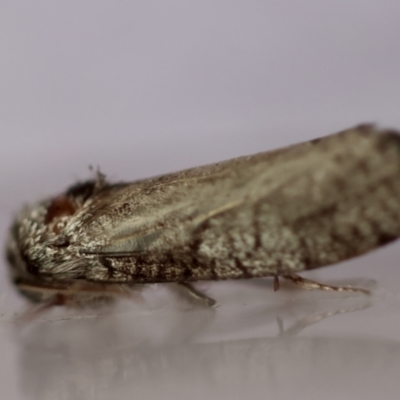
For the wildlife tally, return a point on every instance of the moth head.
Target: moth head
(27, 251)
(37, 243)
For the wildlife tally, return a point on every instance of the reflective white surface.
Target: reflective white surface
(144, 88)
(287, 344)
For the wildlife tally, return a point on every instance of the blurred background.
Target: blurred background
(143, 88)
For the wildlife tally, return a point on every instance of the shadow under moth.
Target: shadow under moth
(271, 214)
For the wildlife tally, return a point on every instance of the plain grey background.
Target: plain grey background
(141, 88)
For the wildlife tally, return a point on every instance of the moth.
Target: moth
(272, 214)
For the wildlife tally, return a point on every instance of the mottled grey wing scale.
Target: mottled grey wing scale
(272, 213)
(183, 200)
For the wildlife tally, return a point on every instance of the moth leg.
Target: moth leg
(308, 284)
(196, 295)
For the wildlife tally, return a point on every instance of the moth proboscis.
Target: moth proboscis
(272, 214)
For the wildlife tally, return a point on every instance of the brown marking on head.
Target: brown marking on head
(61, 206)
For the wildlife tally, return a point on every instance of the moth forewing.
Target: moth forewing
(271, 214)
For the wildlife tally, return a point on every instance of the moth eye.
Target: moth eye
(60, 207)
